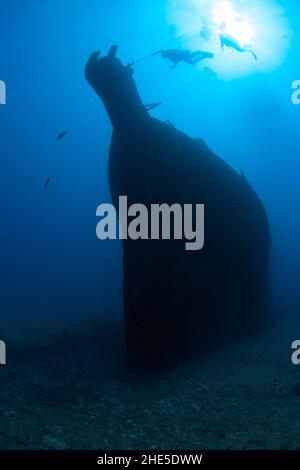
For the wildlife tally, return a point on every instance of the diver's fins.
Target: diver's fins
(252, 53)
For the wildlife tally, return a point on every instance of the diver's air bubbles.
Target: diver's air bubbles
(2, 92)
(296, 92)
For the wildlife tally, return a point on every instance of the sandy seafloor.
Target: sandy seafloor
(71, 389)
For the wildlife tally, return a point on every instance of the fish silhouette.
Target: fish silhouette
(61, 135)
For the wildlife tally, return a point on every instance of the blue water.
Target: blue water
(52, 259)
(52, 265)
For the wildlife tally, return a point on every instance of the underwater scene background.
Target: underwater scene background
(66, 383)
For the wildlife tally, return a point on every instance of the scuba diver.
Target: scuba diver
(233, 43)
(183, 55)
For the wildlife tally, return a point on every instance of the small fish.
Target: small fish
(61, 135)
(210, 72)
(233, 43)
(47, 183)
(150, 106)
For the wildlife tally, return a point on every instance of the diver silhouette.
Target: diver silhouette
(233, 43)
(183, 55)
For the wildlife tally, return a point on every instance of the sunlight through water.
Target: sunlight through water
(252, 24)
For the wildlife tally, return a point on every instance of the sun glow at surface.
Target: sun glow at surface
(231, 22)
(262, 26)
